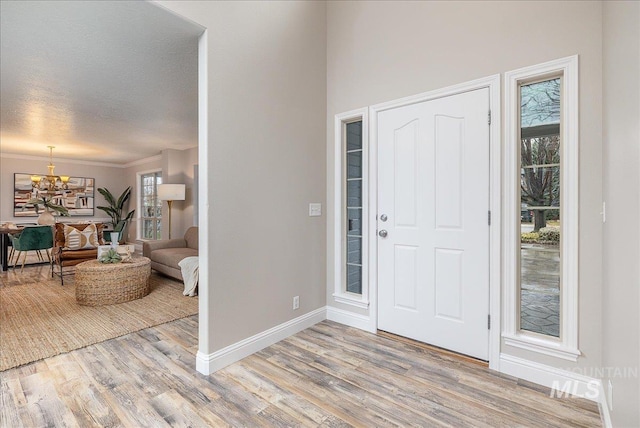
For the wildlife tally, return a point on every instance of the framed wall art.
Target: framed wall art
(77, 197)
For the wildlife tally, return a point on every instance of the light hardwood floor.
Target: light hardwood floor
(328, 375)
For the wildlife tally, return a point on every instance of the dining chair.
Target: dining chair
(32, 238)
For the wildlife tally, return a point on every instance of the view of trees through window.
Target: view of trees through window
(540, 151)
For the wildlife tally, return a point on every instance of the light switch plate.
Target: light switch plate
(315, 209)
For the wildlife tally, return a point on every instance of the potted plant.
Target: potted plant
(110, 256)
(47, 216)
(116, 209)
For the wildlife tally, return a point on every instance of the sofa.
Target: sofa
(167, 253)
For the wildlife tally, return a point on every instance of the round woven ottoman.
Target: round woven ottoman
(100, 284)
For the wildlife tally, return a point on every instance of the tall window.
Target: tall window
(540, 232)
(151, 206)
(353, 207)
(540, 239)
(351, 213)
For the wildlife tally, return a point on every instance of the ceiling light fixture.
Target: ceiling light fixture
(50, 183)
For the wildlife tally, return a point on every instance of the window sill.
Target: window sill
(347, 299)
(542, 346)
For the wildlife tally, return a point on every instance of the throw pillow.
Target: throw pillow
(76, 239)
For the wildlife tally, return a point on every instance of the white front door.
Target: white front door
(433, 202)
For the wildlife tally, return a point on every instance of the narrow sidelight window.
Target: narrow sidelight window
(353, 207)
(541, 221)
(350, 226)
(540, 206)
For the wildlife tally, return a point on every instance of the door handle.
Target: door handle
(383, 233)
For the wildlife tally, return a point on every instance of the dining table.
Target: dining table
(4, 244)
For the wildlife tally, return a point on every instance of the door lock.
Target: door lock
(383, 217)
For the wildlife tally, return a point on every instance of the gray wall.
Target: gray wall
(621, 240)
(110, 177)
(266, 151)
(380, 51)
(267, 103)
(189, 206)
(176, 167)
(131, 176)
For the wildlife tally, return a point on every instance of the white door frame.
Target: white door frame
(495, 171)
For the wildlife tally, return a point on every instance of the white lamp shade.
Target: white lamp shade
(171, 192)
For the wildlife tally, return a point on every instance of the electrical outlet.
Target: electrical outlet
(296, 302)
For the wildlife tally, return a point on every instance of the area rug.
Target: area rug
(42, 319)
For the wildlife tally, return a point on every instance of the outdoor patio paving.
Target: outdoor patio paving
(540, 290)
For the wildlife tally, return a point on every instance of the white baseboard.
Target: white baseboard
(552, 377)
(603, 405)
(210, 363)
(563, 381)
(568, 381)
(361, 322)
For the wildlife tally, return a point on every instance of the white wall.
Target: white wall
(265, 163)
(110, 177)
(380, 51)
(621, 240)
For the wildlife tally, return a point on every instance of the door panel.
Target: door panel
(405, 147)
(406, 279)
(448, 284)
(433, 186)
(448, 169)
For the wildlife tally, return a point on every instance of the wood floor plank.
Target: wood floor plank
(446, 371)
(326, 376)
(147, 381)
(174, 376)
(44, 403)
(132, 408)
(87, 404)
(355, 414)
(365, 407)
(273, 393)
(452, 367)
(408, 393)
(178, 412)
(9, 403)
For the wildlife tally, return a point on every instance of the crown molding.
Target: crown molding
(82, 162)
(142, 161)
(60, 160)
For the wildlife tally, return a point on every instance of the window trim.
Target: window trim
(139, 217)
(340, 294)
(565, 347)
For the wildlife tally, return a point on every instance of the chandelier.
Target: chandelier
(50, 183)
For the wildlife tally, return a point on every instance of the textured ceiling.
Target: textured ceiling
(110, 81)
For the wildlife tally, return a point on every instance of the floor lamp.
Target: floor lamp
(170, 193)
